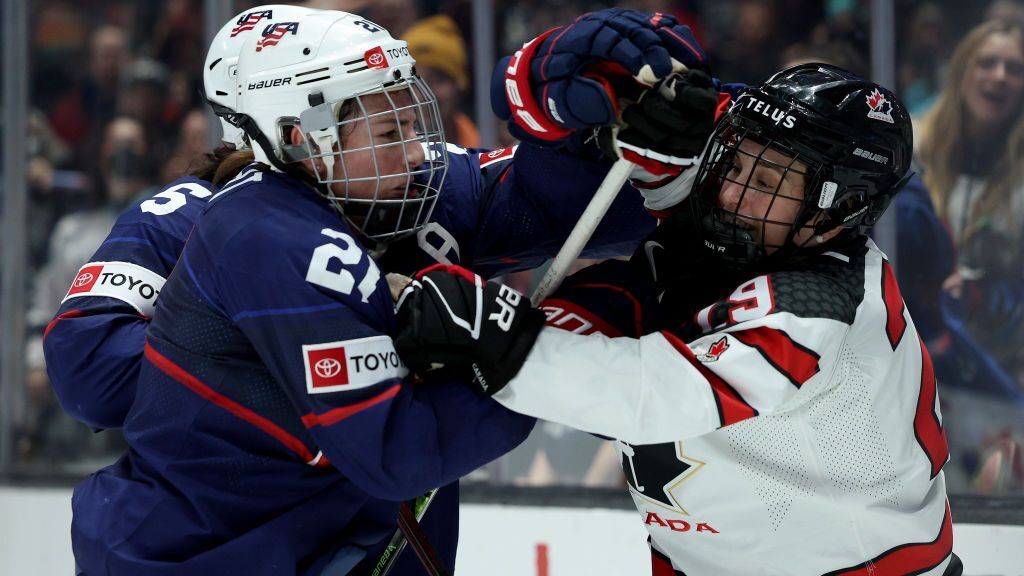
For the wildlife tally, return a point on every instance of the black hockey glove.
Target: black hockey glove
(449, 317)
(670, 124)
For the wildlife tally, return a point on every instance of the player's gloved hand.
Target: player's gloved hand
(450, 317)
(666, 130)
(573, 76)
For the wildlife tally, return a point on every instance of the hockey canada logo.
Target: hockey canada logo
(249, 21)
(375, 59)
(274, 33)
(880, 107)
(715, 350)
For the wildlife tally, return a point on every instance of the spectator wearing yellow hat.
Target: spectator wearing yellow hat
(440, 54)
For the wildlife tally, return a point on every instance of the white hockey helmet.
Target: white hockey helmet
(221, 64)
(329, 73)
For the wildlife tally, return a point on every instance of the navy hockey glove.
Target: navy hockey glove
(571, 77)
(451, 318)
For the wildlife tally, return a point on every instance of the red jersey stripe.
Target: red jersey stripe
(339, 414)
(907, 559)
(927, 427)
(661, 565)
(895, 323)
(797, 363)
(732, 408)
(168, 367)
(68, 314)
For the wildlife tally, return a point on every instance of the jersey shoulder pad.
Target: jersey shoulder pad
(829, 286)
(180, 201)
(282, 249)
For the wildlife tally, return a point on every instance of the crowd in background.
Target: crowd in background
(117, 110)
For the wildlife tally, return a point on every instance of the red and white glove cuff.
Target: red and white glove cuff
(662, 195)
(527, 113)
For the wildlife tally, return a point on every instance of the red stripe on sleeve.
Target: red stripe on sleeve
(797, 363)
(339, 414)
(908, 558)
(68, 314)
(192, 383)
(732, 408)
(927, 427)
(895, 323)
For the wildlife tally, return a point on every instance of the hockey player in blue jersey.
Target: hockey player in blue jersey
(273, 430)
(94, 344)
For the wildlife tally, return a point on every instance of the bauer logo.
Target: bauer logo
(375, 59)
(123, 281)
(350, 364)
(275, 32)
(249, 20)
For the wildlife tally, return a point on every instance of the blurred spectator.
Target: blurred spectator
(836, 54)
(440, 55)
(972, 155)
(91, 102)
(124, 172)
(190, 148)
(961, 253)
(1006, 11)
(395, 16)
(924, 57)
(752, 51)
(143, 97)
(59, 37)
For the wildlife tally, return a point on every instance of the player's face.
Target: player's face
(763, 193)
(380, 149)
(994, 84)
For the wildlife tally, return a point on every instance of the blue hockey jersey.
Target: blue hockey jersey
(273, 425)
(94, 344)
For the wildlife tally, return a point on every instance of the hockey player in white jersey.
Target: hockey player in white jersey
(774, 408)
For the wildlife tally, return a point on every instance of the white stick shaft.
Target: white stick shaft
(583, 230)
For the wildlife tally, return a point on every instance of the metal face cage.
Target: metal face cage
(380, 157)
(752, 195)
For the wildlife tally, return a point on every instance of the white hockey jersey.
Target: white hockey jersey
(793, 428)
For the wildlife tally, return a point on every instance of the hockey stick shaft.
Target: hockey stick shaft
(583, 230)
(400, 539)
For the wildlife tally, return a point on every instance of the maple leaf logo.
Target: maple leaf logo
(875, 99)
(881, 108)
(715, 350)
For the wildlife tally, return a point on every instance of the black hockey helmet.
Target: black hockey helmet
(847, 139)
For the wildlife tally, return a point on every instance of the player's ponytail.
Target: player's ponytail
(221, 165)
